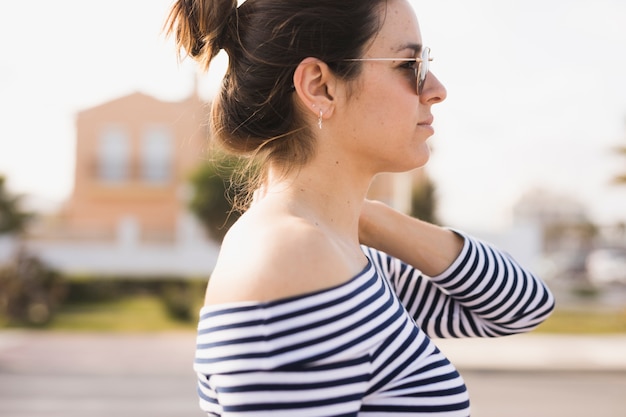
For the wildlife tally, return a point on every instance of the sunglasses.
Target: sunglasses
(421, 66)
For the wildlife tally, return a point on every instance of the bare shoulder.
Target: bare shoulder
(267, 256)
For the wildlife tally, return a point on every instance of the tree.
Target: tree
(30, 292)
(12, 219)
(424, 201)
(214, 192)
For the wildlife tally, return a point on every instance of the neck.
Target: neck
(327, 194)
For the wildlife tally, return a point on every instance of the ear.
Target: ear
(315, 86)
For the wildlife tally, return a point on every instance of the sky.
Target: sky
(536, 95)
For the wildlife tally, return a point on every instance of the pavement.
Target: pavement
(47, 352)
(172, 353)
(63, 374)
(538, 352)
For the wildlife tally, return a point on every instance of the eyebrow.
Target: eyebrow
(416, 47)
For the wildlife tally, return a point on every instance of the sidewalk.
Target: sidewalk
(172, 353)
(115, 354)
(538, 352)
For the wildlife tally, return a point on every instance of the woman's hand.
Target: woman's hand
(425, 246)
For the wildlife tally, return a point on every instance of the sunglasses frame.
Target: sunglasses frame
(421, 70)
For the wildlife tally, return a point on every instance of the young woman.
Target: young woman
(323, 303)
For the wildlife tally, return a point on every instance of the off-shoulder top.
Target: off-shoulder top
(363, 348)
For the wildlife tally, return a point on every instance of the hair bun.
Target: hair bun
(228, 31)
(202, 27)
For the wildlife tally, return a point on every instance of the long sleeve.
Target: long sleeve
(484, 293)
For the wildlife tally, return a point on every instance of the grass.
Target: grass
(585, 322)
(147, 313)
(132, 314)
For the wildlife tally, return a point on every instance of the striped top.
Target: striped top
(363, 348)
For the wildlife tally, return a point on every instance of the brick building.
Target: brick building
(127, 214)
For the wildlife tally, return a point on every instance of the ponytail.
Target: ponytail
(202, 27)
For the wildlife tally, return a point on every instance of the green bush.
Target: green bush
(180, 297)
(181, 300)
(86, 290)
(30, 292)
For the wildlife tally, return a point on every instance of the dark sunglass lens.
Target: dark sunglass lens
(422, 70)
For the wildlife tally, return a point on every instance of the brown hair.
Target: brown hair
(254, 113)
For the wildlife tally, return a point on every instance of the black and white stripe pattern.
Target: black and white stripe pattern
(355, 350)
(484, 293)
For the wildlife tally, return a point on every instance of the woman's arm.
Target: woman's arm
(427, 247)
(471, 288)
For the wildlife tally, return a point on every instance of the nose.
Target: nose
(434, 91)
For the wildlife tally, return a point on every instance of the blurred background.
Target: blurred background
(111, 215)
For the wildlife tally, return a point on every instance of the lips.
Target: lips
(427, 122)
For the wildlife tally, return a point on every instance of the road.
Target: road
(70, 375)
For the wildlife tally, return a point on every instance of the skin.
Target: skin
(304, 231)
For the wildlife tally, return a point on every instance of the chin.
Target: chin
(406, 160)
(408, 165)
(422, 156)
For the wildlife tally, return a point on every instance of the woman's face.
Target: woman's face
(384, 121)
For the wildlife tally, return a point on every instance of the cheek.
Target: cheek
(379, 113)
(382, 108)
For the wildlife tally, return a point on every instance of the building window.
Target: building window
(156, 155)
(113, 155)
